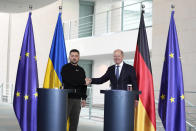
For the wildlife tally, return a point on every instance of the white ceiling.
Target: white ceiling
(15, 6)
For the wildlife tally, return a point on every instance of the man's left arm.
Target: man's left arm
(83, 91)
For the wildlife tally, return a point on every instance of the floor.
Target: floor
(8, 120)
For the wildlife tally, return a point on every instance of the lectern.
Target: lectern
(119, 110)
(52, 109)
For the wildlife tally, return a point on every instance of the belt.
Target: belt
(74, 91)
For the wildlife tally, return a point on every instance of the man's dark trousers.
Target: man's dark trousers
(74, 107)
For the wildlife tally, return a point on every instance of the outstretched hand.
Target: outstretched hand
(88, 81)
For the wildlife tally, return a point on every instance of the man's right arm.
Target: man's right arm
(65, 77)
(102, 79)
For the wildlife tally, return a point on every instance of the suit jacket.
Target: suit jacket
(127, 76)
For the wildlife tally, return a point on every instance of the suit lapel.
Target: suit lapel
(113, 73)
(122, 71)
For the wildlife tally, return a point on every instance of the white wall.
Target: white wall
(107, 20)
(101, 8)
(3, 45)
(70, 12)
(116, 16)
(106, 44)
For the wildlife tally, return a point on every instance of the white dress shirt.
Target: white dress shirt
(120, 67)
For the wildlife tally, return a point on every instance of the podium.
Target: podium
(119, 110)
(52, 109)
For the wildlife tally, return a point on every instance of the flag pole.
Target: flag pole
(143, 7)
(30, 8)
(60, 8)
(172, 7)
(60, 11)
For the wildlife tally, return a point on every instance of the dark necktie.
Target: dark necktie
(117, 72)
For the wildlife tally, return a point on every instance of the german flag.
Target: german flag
(145, 118)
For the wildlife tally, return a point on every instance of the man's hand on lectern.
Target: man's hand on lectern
(136, 103)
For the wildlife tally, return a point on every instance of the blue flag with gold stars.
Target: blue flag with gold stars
(171, 101)
(25, 95)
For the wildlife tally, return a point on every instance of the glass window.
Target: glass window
(131, 12)
(86, 12)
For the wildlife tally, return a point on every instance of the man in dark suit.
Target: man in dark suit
(120, 74)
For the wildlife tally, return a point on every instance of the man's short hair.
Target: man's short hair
(74, 50)
(122, 53)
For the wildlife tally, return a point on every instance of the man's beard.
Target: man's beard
(72, 62)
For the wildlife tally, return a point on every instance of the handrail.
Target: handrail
(123, 6)
(106, 21)
(192, 126)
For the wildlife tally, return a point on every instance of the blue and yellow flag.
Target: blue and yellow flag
(171, 102)
(57, 58)
(25, 95)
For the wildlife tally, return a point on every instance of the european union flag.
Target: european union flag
(171, 102)
(25, 96)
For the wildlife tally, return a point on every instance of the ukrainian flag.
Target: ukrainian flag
(57, 58)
